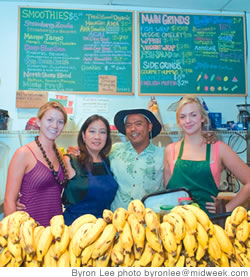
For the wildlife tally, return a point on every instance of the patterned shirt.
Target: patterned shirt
(136, 174)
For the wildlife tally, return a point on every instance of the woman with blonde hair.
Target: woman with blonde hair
(195, 165)
(37, 169)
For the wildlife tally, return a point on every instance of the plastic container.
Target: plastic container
(4, 117)
(164, 209)
(185, 201)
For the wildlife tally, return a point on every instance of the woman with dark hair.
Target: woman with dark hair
(91, 187)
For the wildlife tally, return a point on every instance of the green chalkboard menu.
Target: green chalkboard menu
(191, 53)
(78, 51)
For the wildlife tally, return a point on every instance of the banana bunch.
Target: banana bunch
(127, 238)
(237, 228)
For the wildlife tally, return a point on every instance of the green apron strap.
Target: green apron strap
(208, 153)
(181, 150)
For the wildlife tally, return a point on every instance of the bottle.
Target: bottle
(164, 209)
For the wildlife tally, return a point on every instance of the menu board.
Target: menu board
(191, 53)
(78, 51)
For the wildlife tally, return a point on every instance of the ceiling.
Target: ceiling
(206, 5)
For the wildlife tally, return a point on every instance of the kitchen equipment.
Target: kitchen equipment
(244, 115)
(4, 117)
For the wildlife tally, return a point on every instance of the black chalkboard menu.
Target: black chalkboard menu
(191, 53)
(78, 51)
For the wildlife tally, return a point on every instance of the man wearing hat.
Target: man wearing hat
(137, 164)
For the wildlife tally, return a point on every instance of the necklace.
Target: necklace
(55, 174)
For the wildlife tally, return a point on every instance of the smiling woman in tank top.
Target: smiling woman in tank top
(37, 169)
(197, 166)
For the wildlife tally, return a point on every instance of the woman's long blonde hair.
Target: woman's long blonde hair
(190, 98)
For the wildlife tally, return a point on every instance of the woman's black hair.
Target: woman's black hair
(85, 158)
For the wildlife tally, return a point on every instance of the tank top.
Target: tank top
(41, 194)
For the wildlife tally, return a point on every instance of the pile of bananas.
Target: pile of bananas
(132, 238)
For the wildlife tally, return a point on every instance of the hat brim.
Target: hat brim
(121, 115)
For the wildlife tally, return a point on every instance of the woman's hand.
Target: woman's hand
(210, 137)
(73, 150)
(19, 205)
(211, 206)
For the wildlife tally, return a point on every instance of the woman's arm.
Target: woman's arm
(167, 172)
(16, 171)
(240, 170)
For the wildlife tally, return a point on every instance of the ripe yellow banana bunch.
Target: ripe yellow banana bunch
(137, 208)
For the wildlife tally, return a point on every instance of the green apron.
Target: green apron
(196, 177)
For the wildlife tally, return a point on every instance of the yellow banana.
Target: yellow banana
(138, 233)
(172, 260)
(211, 229)
(177, 222)
(202, 236)
(158, 259)
(243, 259)
(27, 237)
(188, 218)
(74, 261)
(242, 231)
(14, 263)
(181, 261)
(104, 241)
(202, 263)
(229, 228)
(147, 255)
(234, 263)
(64, 260)
(107, 216)
(37, 233)
(93, 233)
(126, 238)
(137, 208)
(4, 226)
(44, 243)
(117, 256)
(49, 260)
(81, 220)
(62, 244)
(119, 218)
(200, 252)
(224, 241)
(168, 238)
(214, 249)
(200, 215)
(152, 221)
(136, 263)
(5, 257)
(190, 262)
(33, 263)
(103, 260)
(129, 259)
(241, 247)
(14, 224)
(90, 263)
(190, 244)
(86, 253)
(3, 242)
(238, 215)
(57, 226)
(79, 236)
(16, 250)
(224, 261)
(153, 240)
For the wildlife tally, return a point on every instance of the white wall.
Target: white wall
(8, 74)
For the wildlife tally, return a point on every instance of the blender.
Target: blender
(244, 115)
